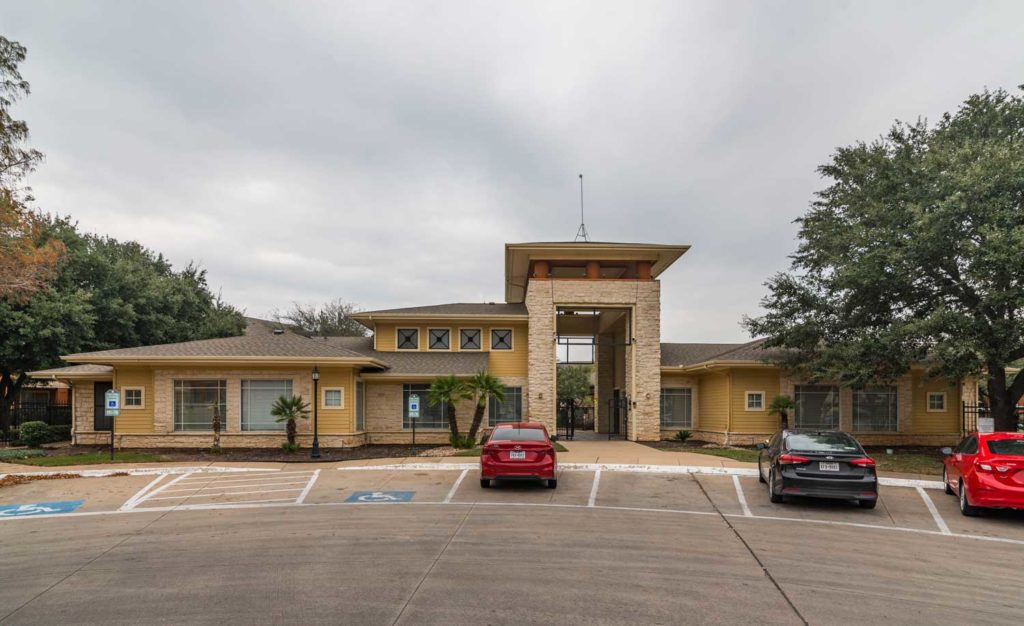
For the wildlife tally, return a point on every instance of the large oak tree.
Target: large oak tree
(914, 253)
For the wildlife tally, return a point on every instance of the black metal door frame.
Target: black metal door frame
(99, 419)
(618, 414)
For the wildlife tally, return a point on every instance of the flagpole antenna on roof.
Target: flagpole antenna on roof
(582, 232)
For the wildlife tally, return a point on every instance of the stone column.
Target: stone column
(542, 357)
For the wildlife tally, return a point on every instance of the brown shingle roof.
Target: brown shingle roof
(416, 363)
(261, 339)
(455, 309)
(85, 369)
(684, 354)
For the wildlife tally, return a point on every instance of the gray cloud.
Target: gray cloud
(384, 152)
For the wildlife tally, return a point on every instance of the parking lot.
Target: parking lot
(387, 544)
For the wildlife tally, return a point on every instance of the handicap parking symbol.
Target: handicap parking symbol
(39, 508)
(381, 497)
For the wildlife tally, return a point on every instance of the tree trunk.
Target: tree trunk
(784, 420)
(9, 388)
(1004, 399)
(478, 418)
(453, 424)
(291, 432)
(216, 427)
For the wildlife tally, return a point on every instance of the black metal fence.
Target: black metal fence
(971, 413)
(52, 413)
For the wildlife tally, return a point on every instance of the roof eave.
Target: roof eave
(226, 360)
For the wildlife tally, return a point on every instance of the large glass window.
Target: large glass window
(508, 410)
(430, 416)
(360, 408)
(194, 401)
(676, 407)
(817, 406)
(258, 397)
(874, 409)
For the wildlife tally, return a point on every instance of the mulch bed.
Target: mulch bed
(273, 455)
(10, 481)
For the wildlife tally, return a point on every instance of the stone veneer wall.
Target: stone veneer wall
(643, 359)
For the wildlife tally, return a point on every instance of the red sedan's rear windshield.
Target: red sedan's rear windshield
(1006, 447)
(821, 442)
(518, 434)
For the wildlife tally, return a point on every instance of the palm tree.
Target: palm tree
(288, 409)
(781, 406)
(482, 386)
(447, 391)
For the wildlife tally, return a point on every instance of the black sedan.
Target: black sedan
(820, 464)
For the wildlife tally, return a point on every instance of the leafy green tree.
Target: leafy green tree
(913, 253)
(573, 386)
(333, 319)
(483, 386)
(446, 391)
(288, 409)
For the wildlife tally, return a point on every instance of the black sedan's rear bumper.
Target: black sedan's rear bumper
(865, 488)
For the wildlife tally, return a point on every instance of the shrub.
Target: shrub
(682, 435)
(34, 434)
(20, 454)
(290, 447)
(462, 441)
(60, 433)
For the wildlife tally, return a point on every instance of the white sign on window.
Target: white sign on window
(414, 405)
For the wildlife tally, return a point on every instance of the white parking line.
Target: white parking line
(309, 486)
(148, 496)
(941, 523)
(593, 488)
(130, 502)
(222, 493)
(742, 498)
(455, 487)
(217, 485)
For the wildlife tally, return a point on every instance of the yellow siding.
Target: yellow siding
(135, 420)
(925, 421)
(754, 379)
(337, 421)
(507, 363)
(713, 400)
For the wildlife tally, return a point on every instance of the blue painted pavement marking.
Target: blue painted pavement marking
(380, 496)
(39, 508)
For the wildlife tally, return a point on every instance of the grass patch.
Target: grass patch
(476, 451)
(20, 453)
(736, 454)
(907, 462)
(92, 458)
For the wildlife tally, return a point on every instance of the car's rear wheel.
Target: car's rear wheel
(965, 503)
(485, 482)
(774, 497)
(945, 482)
(552, 483)
(760, 476)
(868, 504)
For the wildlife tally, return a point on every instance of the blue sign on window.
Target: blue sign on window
(380, 497)
(39, 508)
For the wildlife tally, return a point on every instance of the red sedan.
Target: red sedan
(986, 470)
(518, 450)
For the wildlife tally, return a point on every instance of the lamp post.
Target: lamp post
(315, 454)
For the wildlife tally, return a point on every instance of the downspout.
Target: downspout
(728, 414)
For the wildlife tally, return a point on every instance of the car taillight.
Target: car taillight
(865, 462)
(792, 459)
(982, 467)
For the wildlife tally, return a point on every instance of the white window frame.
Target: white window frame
(323, 398)
(928, 402)
(481, 338)
(142, 398)
(511, 339)
(449, 348)
(419, 338)
(746, 402)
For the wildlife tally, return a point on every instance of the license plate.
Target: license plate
(828, 467)
(517, 455)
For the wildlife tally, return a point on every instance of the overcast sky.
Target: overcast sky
(383, 153)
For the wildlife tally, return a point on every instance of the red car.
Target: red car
(986, 470)
(518, 450)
